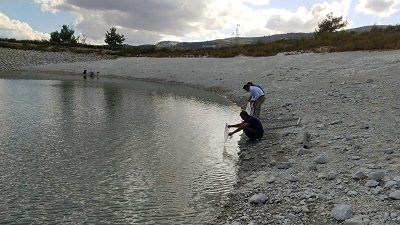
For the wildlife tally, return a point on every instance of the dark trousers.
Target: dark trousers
(251, 133)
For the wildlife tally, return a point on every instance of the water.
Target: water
(112, 151)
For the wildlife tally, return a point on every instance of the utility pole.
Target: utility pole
(237, 34)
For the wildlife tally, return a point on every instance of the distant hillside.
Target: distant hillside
(247, 40)
(231, 41)
(366, 28)
(166, 44)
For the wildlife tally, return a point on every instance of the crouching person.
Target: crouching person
(250, 125)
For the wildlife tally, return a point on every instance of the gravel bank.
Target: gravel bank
(341, 165)
(13, 59)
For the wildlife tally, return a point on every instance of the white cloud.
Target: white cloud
(49, 5)
(151, 21)
(20, 30)
(302, 20)
(381, 8)
(257, 2)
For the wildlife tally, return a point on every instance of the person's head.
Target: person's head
(246, 87)
(244, 115)
(250, 83)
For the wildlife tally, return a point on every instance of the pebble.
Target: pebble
(322, 159)
(293, 178)
(359, 175)
(372, 183)
(303, 151)
(342, 212)
(376, 175)
(258, 199)
(389, 151)
(352, 193)
(358, 220)
(395, 195)
(390, 184)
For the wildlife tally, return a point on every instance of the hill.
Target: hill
(248, 40)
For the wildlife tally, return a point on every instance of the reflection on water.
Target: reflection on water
(112, 151)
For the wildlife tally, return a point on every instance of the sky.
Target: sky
(152, 21)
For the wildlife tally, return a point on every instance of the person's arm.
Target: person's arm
(236, 125)
(251, 98)
(240, 127)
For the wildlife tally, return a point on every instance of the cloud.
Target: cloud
(20, 30)
(382, 8)
(257, 2)
(151, 21)
(148, 20)
(302, 20)
(49, 5)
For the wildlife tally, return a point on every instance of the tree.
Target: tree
(113, 38)
(330, 24)
(66, 35)
(83, 39)
(55, 37)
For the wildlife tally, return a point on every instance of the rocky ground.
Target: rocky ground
(13, 59)
(340, 165)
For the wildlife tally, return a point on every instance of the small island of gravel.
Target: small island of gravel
(341, 163)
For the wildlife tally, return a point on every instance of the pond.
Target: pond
(112, 151)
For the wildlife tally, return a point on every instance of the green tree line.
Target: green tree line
(66, 36)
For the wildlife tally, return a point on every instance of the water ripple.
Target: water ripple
(101, 152)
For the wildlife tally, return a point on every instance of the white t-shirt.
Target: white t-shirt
(256, 92)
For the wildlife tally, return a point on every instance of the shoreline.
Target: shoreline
(347, 102)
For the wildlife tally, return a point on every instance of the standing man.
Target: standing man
(250, 125)
(251, 84)
(257, 98)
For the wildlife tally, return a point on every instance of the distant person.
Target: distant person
(84, 74)
(250, 125)
(257, 98)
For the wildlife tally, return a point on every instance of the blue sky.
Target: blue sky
(151, 21)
